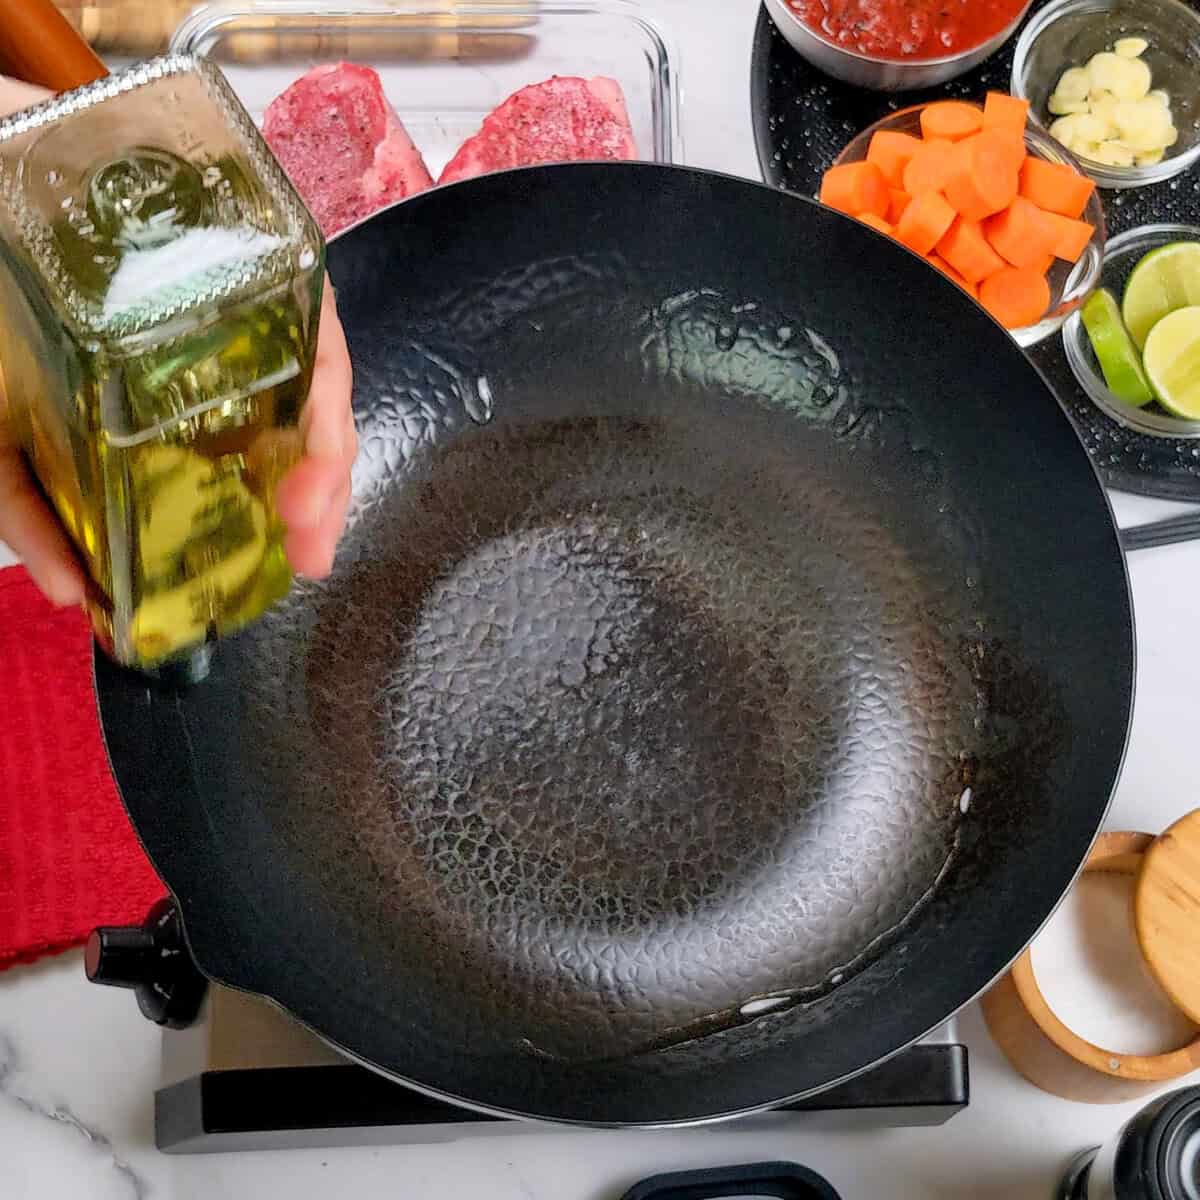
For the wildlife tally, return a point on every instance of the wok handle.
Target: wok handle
(1168, 532)
(39, 45)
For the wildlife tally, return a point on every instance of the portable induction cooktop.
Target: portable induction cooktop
(246, 1077)
(239, 1074)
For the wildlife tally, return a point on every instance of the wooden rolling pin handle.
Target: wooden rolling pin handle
(39, 45)
(141, 28)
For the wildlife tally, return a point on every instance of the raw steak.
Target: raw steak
(343, 146)
(564, 119)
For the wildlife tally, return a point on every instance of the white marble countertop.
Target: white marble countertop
(78, 1064)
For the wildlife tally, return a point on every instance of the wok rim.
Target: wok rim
(247, 986)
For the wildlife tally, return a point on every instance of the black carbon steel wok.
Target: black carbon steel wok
(725, 673)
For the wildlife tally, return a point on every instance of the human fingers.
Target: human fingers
(30, 529)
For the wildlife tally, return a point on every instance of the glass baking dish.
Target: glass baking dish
(446, 65)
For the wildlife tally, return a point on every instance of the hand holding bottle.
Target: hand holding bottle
(312, 498)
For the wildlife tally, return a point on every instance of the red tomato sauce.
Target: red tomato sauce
(906, 29)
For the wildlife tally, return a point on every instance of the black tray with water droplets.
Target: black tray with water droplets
(803, 118)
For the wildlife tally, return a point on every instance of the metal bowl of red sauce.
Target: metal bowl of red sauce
(896, 45)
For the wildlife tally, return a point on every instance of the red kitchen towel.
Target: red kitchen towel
(69, 859)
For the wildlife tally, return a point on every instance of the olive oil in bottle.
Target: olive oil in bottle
(160, 284)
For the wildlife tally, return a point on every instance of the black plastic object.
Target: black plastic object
(787, 1181)
(1154, 1156)
(305, 1107)
(803, 119)
(722, 676)
(153, 961)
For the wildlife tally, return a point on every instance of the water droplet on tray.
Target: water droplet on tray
(726, 337)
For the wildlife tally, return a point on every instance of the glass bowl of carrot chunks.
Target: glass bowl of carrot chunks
(987, 198)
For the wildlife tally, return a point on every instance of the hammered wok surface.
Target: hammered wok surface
(689, 648)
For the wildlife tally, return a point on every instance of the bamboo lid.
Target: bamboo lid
(1050, 1054)
(1166, 913)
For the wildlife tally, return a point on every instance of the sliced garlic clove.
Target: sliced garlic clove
(1104, 71)
(1131, 47)
(1134, 83)
(1126, 78)
(1113, 154)
(1074, 84)
(1090, 128)
(1140, 124)
(1060, 107)
(1102, 105)
(1063, 130)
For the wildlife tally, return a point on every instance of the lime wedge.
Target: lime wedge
(1166, 279)
(1172, 360)
(1115, 351)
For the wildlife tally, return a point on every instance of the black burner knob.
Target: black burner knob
(122, 956)
(154, 962)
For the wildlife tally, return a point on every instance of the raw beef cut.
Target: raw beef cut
(564, 119)
(343, 146)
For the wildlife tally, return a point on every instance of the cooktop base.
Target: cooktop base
(244, 1077)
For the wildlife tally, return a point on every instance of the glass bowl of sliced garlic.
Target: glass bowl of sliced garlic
(1118, 83)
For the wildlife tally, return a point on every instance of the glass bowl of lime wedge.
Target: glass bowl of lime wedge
(1134, 344)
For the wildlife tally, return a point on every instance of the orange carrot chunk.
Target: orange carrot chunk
(1007, 117)
(925, 222)
(951, 119)
(928, 168)
(1005, 114)
(1055, 187)
(1043, 264)
(982, 179)
(877, 223)
(899, 202)
(951, 274)
(1015, 296)
(855, 188)
(1022, 234)
(891, 152)
(1072, 237)
(966, 249)
(1014, 148)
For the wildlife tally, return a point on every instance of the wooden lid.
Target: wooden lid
(1052, 1056)
(1166, 913)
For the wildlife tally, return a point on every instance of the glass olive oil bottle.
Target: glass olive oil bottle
(160, 285)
